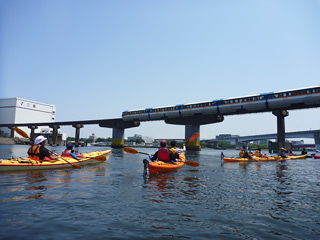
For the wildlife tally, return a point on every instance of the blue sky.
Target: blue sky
(94, 59)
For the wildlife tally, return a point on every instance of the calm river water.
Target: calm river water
(113, 200)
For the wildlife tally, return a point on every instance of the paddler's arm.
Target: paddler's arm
(73, 155)
(154, 157)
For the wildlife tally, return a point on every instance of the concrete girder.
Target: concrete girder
(195, 120)
(119, 123)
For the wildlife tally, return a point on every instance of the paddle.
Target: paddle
(133, 151)
(21, 132)
(100, 158)
(25, 135)
(193, 137)
(73, 165)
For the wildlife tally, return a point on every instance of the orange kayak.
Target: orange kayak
(159, 166)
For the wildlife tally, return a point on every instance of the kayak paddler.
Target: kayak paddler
(282, 153)
(38, 151)
(163, 154)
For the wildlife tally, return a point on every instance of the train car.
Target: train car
(132, 115)
(174, 111)
(246, 104)
(286, 99)
(199, 108)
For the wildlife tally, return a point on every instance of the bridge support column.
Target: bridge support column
(77, 136)
(317, 140)
(281, 134)
(32, 135)
(54, 134)
(12, 132)
(117, 138)
(190, 130)
(118, 127)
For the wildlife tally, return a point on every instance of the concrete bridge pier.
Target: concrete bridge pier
(55, 134)
(192, 125)
(12, 131)
(190, 129)
(281, 134)
(118, 128)
(317, 140)
(77, 136)
(117, 138)
(32, 135)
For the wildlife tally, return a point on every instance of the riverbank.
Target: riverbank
(13, 141)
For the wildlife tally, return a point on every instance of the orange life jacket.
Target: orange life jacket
(34, 152)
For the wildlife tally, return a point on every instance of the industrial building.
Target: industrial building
(18, 110)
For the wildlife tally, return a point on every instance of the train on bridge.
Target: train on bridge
(289, 99)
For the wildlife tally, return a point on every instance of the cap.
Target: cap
(39, 139)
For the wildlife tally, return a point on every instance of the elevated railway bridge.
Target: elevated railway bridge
(193, 115)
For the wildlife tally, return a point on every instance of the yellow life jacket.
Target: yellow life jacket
(257, 153)
(34, 151)
(241, 154)
(173, 151)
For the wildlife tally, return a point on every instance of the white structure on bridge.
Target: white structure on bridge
(18, 110)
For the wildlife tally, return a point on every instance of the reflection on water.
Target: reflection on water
(113, 200)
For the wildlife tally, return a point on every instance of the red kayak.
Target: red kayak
(316, 156)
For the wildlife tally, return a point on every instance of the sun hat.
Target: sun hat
(39, 139)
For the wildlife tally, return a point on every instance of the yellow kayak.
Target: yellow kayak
(18, 164)
(260, 159)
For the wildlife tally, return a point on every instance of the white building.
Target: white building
(93, 138)
(18, 110)
(146, 139)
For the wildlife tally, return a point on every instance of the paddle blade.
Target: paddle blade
(194, 137)
(130, 150)
(192, 163)
(21, 132)
(76, 166)
(100, 158)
